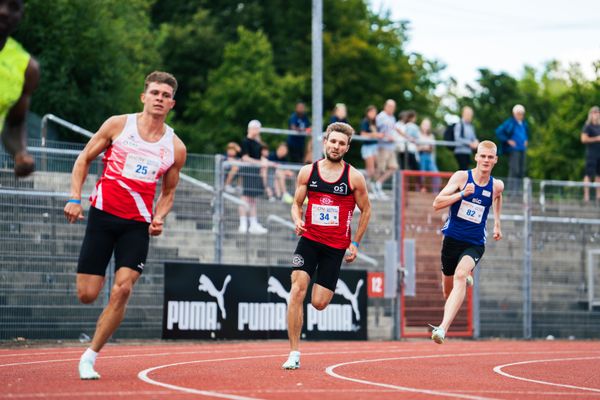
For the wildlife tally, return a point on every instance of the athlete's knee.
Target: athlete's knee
(461, 275)
(86, 296)
(121, 292)
(319, 304)
(298, 293)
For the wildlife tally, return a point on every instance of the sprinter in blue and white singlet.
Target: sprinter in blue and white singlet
(470, 194)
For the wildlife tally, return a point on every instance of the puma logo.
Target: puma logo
(342, 289)
(207, 286)
(276, 287)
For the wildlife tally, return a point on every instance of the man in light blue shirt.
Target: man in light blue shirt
(386, 159)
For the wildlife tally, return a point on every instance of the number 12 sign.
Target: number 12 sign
(375, 284)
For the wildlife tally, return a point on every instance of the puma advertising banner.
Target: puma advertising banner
(205, 301)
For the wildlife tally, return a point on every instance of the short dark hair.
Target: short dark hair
(340, 127)
(161, 77)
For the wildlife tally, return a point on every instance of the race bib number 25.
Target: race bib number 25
(141, 168)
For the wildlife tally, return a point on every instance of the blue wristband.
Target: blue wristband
(76, 201)
(462, 194)
(356, 244)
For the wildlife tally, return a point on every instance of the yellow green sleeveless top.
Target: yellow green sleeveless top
(13, 63)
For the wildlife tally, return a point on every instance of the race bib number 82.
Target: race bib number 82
(471, 211)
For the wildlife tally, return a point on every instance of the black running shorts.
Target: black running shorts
(106, 233)
(454, 250)
(326, 261)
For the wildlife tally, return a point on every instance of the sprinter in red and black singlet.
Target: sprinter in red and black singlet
(334, 189)
(139, 150)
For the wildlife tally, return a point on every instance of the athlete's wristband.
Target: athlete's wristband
(462, 194)
(76, 201)
(356, 244)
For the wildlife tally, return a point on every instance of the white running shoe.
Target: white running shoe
(243, 228)
(257, 229)
(293, 361)
(86, 370)
(438, 334)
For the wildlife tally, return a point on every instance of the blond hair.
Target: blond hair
(487, 144)
(340, 127)
(161, 77)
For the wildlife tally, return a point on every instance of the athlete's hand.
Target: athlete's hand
(156, 227)
(300, 228)
(497, 232)
(511, 143)
(353, 252)
(469, 189)
(73, 212)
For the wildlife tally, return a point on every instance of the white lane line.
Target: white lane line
(84, 395)
(330, 371)
(116, 348)
(498, 370)
(143, 375)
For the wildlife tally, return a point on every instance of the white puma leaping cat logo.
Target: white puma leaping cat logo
(207, 286)
(276, 287)
(342, 289)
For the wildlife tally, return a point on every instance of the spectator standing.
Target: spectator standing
(340, 114)
(369, 148)
(426, 149)
(300, 123)
(253, 187)
(412, 134)
(232, 153)
(464, 134)
(513, 135)
(386, 159)
(278, 175)
(590, 136)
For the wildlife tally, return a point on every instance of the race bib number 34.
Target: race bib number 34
(141, 168)
(325, 215)
(471, 211)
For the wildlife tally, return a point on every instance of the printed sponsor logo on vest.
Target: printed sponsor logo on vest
(313, 184)
(337, 317)
(199, 315)
(342, 188)
(486, 193)
(476, 200)
(326, 201)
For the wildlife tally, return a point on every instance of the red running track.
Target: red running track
(332, 370)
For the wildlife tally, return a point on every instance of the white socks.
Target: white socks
(89, 355)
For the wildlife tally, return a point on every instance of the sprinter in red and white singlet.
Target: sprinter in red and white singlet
(139, 150)
(334, 189)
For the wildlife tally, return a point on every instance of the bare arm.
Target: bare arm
(14, 135)
(167, 193)
(362, 201)
(299, 196)
(587, 139)
(451, 193)
(97, 144)
(497, 205)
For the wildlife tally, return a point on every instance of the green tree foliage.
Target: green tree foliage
(243, 87)
(93, 54)
(557, 100)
